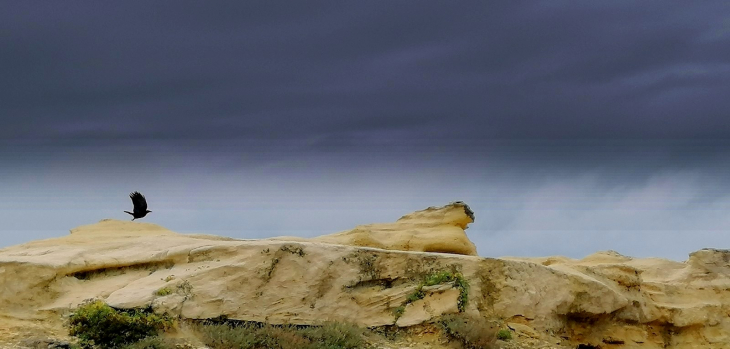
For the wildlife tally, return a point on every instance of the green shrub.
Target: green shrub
(98, 325)
(251, 335)
(504, 335)
(472, 332)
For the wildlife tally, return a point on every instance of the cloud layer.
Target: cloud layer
(366, 72)
(569, 127)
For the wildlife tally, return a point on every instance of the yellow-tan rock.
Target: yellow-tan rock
(435, 229)
(606, 300)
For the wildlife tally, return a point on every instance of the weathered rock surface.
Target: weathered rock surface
(605, 299)
(435, 229)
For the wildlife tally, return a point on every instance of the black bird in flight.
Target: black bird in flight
(140, 205)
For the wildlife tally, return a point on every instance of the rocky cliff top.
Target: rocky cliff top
(367, 276)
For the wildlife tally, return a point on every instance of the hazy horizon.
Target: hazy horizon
(568, 127)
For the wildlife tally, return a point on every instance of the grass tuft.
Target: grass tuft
(472, 332)
(252, 335)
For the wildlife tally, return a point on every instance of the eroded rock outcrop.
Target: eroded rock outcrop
(643, 303)
(435, 229)
(605, 300)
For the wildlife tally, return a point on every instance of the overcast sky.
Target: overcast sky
(569, 127)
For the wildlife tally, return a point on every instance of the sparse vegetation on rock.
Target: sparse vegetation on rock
(472, 332)
(368, 265)
(252, 335)
(433, 279)
(163, 292)
(99, 326)
(293, 250)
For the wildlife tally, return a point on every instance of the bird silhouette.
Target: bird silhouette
(140, 205)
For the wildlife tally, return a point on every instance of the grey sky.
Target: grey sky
(569, 127)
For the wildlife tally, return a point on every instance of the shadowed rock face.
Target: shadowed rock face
(604, 300)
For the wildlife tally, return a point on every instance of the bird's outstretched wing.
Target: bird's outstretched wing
(139, 202)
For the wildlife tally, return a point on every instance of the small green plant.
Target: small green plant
(504, 335)
(398, 312)
(98, 325)
(438, 278)
(163, 292)
(418, 294)
(472, 332)
(463, 286)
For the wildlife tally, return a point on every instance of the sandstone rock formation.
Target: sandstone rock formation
(606, 300)
(435, 229)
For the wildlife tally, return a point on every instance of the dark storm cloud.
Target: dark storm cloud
(568, 126)
(333, 73)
